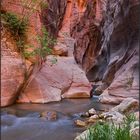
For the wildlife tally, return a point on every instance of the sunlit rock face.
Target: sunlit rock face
(107, 46)
(63, 79)
(13, 64)
(12, 69)
(17, 7)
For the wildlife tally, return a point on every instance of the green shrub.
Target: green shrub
(45, 42)
(107, 131)
(17, 26)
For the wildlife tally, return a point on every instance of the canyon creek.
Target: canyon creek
(24, 123)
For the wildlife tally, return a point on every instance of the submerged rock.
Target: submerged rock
(48, 115)
(80, 123)
(92, 111)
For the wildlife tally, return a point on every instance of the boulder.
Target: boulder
(48, 115)
(55, 80)
(84, 114)
(113, 116)
(92, 111)
(80, 123)
(126, 105)
(93, 119)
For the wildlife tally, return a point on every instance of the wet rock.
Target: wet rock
(49, 115)
(92, 111)
(126, 105)
(93, 119)
(113, 116)
(84, 114)
(80, 123)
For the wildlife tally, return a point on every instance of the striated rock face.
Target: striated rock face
(64, 79)
(87, 37)
(52, 16)
(12, 69)
(107, 47)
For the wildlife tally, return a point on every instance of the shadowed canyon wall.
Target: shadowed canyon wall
(107, 47)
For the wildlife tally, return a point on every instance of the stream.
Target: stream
(22, 122)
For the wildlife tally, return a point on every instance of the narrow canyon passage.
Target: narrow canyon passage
(70, 67)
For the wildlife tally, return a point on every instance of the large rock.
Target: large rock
(62, 79)
(12, 69)
(126, 105)
(48, 115)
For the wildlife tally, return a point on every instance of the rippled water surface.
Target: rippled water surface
(22, 122)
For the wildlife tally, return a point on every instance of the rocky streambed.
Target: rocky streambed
(53, 121)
